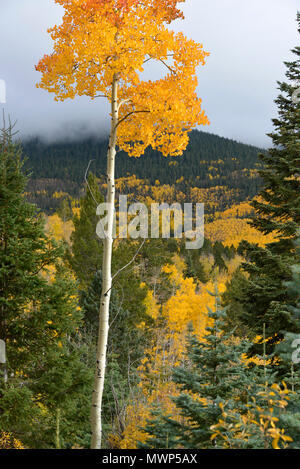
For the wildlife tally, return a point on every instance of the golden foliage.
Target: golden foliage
(59, 229)
(101, 41)
(235, 430)
(231, 231)
(8, 441)
(242, 210)
(188, 304)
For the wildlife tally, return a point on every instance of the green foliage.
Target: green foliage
(38, 316)
(65, 209)
(194, 265)
(194, 268)
(264, 295)
(61, 166)
(86, 253)
(212, 376)
(288, 350)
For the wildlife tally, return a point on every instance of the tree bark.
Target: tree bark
(106, 277)
(57, 433)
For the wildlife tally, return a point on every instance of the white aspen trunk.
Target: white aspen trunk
(96, 416)
(57, 435)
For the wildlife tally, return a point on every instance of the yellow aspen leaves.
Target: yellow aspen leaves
(8, 441)
(102, 39)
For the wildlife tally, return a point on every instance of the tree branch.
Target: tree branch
(126, 265)
(128, 115)
(130, 262)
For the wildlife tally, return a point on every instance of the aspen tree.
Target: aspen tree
(101, 49)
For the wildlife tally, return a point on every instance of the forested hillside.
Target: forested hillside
(123, 327)
(209, 162)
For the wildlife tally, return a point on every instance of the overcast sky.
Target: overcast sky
(248, 42)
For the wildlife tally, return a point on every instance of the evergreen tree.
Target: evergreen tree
(38, 315)
(64, 383)
(288, 350)
(218, 252)
(213, 376)
(86, 255)
(123, 335)
(194, 267)
(67, 162)
(264, 295)
(65, 210)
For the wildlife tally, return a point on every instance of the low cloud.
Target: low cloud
(248, 42)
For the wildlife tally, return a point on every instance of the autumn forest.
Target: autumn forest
(139, 343)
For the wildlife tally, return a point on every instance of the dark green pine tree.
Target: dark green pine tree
(194, 267)
(63, 384)
(289, 352)
(218, 252)
(65, 209)
(85, 257)
(263, 295)
(122, 334)
(38, 317)
(213, 373)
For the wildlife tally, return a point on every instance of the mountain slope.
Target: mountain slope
(209, 161)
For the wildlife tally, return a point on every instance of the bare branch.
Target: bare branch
(153, 58)
(168, 66)
(87, 182)
(128, 115)
(101, 96)
(130, 262)
(127, 265)
(7, 133)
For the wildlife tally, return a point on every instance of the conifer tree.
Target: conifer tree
(194, 267)
(213, 376)
(39, 314)
(86, 254)
(65, 209)
(263, 295)
(289, 352)
(125, 339)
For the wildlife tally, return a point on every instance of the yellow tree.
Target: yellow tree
(101, 50)
(188, 305)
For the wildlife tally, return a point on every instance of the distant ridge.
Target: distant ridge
(209, 161)
(61, 160)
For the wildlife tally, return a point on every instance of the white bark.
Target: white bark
(106, 278)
